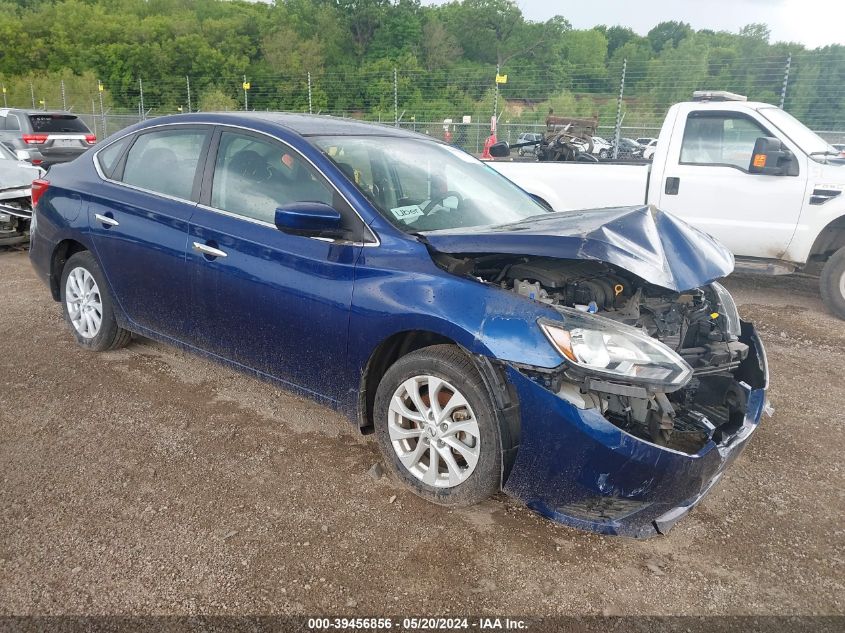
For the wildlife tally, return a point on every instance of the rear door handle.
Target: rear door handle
(106, 220)
(205, 249)
(673, 185)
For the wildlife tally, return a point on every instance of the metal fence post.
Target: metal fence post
(64, 100)
(100, 89)
(94, 116)
(141, 89)
(395, 98)
(619, 110)
(310, 103)
(188, 85)
(5, 103)
(32, 94)
(785, 81)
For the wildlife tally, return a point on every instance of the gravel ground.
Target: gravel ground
(150, 481)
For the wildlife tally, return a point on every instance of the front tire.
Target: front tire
(832, 283)
(446, 449)
(87, 305)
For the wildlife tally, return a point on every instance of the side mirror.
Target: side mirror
(770, 157)
(500, 149)
(310, 219)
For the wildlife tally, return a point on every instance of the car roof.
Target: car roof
(302, 124)
(30, 112)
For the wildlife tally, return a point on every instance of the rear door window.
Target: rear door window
(57, 124)
(166, 161)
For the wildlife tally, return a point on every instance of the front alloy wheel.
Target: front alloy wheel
(433, 431)
(437, 427)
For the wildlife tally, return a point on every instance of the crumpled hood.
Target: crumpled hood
(652, 244)
(15, 175)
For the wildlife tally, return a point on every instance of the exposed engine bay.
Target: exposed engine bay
(700, 325)
(15, 216)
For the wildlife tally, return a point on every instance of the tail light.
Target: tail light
(90, 138)
(34, 139)
(39, 186)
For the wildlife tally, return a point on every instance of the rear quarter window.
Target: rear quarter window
(57, 124)
(109, 157)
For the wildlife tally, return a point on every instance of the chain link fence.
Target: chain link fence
(628, 99)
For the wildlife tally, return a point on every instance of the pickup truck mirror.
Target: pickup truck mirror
(500, 149)
(310, 219)
(770, 157)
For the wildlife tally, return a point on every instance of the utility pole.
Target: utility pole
(188, 84)
(141, 90)
(310, 108)
(619, 110)
(395, 98)
(785, 81)
(246, 95)
(64, 100)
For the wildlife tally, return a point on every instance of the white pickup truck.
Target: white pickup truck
(748, 173)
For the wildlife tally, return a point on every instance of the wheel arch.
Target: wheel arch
(501, 392)
(829, 240)
(62, 252)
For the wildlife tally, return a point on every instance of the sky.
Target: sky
(812, 23)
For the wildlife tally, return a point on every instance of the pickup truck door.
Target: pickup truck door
(706, 182)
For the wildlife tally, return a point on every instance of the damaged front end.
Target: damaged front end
(15, 215)
(661, 389)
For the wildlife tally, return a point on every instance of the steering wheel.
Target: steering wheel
(448, 194)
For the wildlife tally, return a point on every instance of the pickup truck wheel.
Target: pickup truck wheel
(436, 427)
(832, 283)
(87, 305)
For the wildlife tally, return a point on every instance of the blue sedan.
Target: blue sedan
(586, 363)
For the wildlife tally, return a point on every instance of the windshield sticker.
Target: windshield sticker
(407, 214)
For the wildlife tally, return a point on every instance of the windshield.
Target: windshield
(800, 134)
(421, 185)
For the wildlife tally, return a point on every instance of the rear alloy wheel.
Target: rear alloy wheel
(437, 428)
(87, 305)
(832, 283)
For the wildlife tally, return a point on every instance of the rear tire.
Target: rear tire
(459, 435)
(87, 305)
(832, 283)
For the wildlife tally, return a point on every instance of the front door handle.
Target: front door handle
(106, 220)
(673, 185)
(210, 251)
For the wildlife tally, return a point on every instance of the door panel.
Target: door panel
(143, 256)
(274, 302)
(707, 184)
(277, 303)
(140, 236)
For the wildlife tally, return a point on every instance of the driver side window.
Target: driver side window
(722, 139)
(254, 176)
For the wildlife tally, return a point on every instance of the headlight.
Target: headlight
(727, 309)
(601, 346)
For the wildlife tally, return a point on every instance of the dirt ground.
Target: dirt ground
(150, 481)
